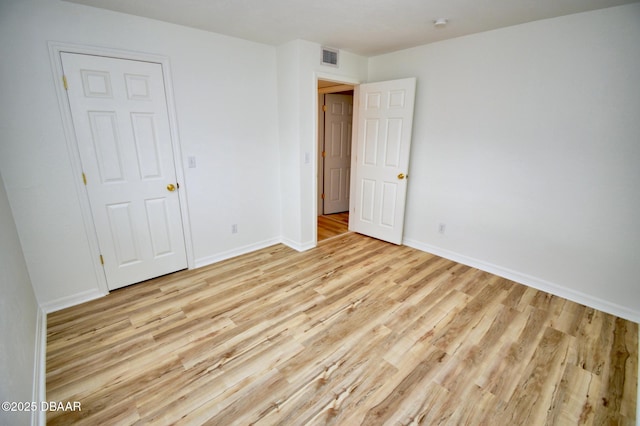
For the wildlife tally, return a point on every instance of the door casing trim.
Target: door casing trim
(355, 82)
(55, 48)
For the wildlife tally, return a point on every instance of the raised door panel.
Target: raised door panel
(146, 141)
(137, 87)
(96, 84)
(370, 145)
(367, 201)
(388, 204)
(393, 143)
(106, 146)
(159, 227)
(122, 229)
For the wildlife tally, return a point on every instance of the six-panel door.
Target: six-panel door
(337, 148)
(120, 116)
(385, 117)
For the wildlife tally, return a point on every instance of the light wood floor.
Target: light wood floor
(332, 225)
(355, 331)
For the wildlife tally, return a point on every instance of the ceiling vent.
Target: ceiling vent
(330, 56)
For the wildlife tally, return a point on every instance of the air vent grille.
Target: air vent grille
(330, 56)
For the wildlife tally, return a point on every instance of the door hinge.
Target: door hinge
(324, 154)
(84, 178)
(324, 108)
(64, 82)
(323, 196)
(101, 260)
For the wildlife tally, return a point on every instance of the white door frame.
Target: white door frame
(336, 79)
(55, 48)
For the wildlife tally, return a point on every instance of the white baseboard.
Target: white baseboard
(208, 260)
(75, 299)
(38, 418)
(528, 280)
(85, 296)
(298, 246)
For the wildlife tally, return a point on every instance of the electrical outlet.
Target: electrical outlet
(234, 228)
(441, 228)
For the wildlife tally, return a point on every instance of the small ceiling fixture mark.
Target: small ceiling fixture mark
(440, 22)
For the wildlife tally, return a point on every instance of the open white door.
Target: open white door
(120, 117)
(383, 138)
(337, 152)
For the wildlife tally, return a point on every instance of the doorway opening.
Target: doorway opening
(335, 123)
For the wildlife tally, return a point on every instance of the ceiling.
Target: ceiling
(364, 27)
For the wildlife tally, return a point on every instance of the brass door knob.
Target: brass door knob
(401, 176)
(171, 187)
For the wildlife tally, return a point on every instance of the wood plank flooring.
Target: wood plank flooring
(353, 332)
(332, 225)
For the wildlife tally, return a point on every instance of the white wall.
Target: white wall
(526, 144)
(299, 69)
(226, 103)
(18, 313)
(290, 149)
